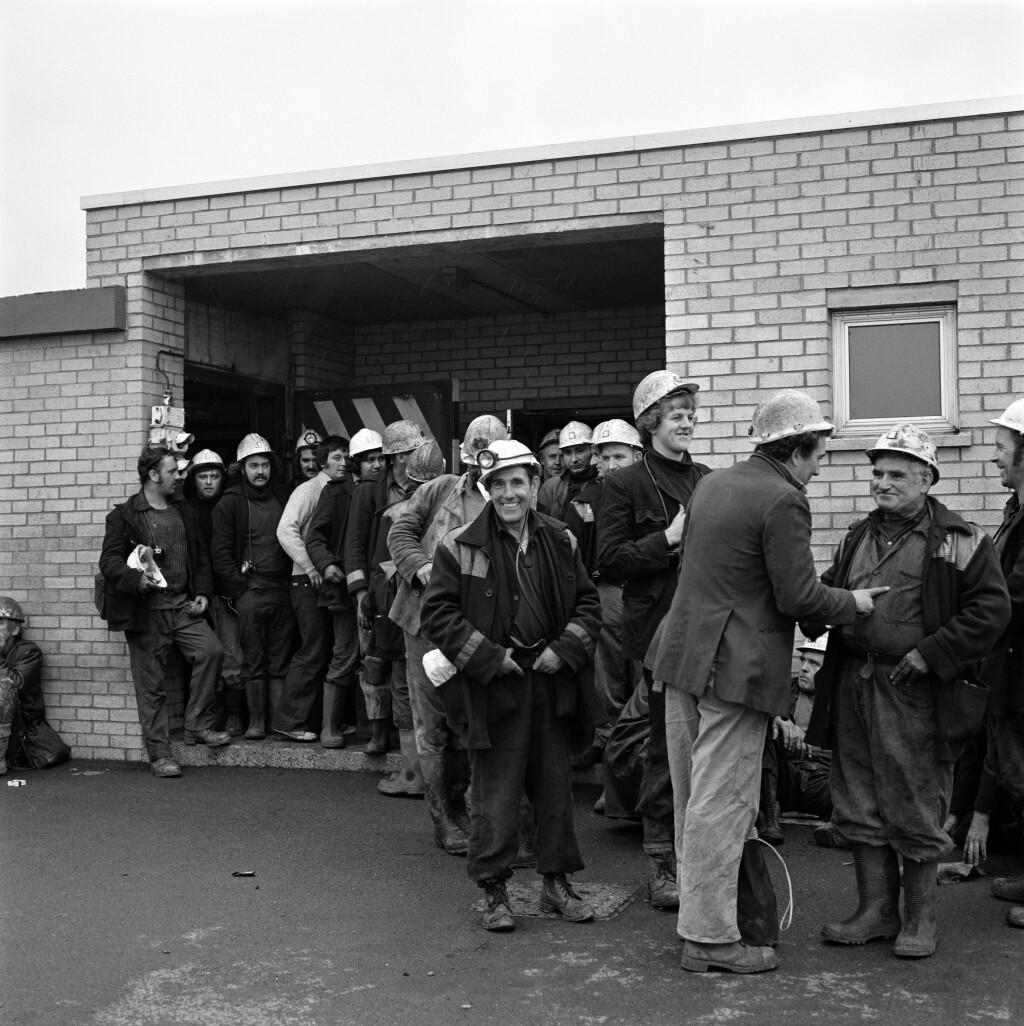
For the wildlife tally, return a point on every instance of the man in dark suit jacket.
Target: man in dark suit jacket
(746, 576)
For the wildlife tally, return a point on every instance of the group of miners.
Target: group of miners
(603, 599)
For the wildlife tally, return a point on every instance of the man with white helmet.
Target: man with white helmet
(306, 465)
(747, 575)
(299, 710)
(616, 445)
(255, 573)
(325, 544)
(1003, 669)
(889, 687)
(203, 490)
(643, 510)
(21, 685)
(436, 508)
(556, 494)
(510, 604)
(385, 686)
(162, 604)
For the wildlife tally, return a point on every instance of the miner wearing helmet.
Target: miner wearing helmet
(298, 715)
(439, 506)
(893, 686)
(1003, 669)
(372, 586)
(156, 567)
(643, 508)
(616, 445)
(306, 464)
(746, 576)
(556, 494)
(255, 573)
(21, 685)
(511, 607)
(550, 456)
(366, 456)
(203, 490)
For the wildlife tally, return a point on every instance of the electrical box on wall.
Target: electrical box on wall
(167, 426)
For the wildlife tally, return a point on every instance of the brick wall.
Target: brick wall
(71, 416)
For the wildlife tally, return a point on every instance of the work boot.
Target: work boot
(234, 703)
(210, 738)
(498, 915)
(1015, 917)
(768, 827)
(557, 895)
(334, 698)
(878, 892)
(450, 837)
(736, 957)
(165, 768)
(917, 938)
(380, 738)
(406, 782)
(1009, 888)
(662, 887)
(826, 837)
(256, 700)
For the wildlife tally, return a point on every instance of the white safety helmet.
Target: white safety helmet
(402, 436)
(479, 435)
(364, 440)
(574, 433)
(1012, 418)
(784, 414)
(505, 452)
(659, 385)
(616, 431)
(308, 439)
(907, 440)
(819, 644)
(253, 445)
(206, 458)
(426, 462)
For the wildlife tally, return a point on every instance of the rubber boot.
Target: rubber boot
(768, 827)
(917, 938)
(276, 686)
(331, 736)
(234, 704)
(458, 787)
(878, 893)
(256, 700)
(380, 739)
(408, 781)
(450, 837)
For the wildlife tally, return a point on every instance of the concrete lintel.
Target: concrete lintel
(567, 151)
(64, 313)
(915, 294)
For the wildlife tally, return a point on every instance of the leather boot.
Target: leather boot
(917, 938)
(878, 893)
(768, 827)
(380, 739)
(408, 781)
(331, 736)
(662, 885)
(256, 700)
(234, 703)
(450, 837)
(1009, 888)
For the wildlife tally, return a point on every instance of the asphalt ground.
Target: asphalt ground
(118, 908)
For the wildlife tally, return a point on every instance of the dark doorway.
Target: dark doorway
(222, 408)
(529, 427)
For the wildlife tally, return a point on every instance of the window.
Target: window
(896, 364)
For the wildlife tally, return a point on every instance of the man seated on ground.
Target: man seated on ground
(794, 776)
(21, 689)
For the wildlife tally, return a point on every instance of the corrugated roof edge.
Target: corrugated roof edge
(566, 151)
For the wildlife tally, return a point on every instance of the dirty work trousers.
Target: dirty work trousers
(615, 676)
(888, 788)
(434, 736)
(655, 802)
(302, 696)
(529, 751)
(714, 752)
(345, 655)
(148, 651)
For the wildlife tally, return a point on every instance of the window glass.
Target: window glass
(895, 370)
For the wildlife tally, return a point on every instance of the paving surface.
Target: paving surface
(118, 908)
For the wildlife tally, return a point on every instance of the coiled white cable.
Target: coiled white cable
(787, 915)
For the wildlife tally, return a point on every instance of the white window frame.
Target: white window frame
(947, 420)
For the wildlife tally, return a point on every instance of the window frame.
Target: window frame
(943, 314)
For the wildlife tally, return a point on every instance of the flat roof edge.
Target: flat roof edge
(567, 151)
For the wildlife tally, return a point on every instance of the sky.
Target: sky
(100, 96)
